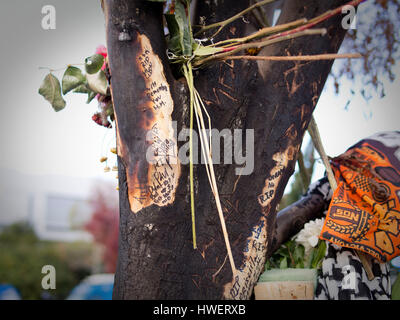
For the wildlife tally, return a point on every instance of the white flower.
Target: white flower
(308, 236)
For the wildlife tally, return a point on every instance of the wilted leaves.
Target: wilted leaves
(51, 91)
(72, 78)
(91, 83)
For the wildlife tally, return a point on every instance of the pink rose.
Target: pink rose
(103, 51)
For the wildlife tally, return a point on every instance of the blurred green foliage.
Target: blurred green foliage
(396, 288)
(289, 255)
(23, 254)
(302, 177)
(292, 255)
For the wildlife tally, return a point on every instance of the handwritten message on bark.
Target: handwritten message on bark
(156, 104)
(241, 287)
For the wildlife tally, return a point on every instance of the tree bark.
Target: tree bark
(291, 220)
(275, 99)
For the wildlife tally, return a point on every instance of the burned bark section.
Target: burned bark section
(291, 220)
(136, 45)
(276, 100)
(145, 134)
(293, 88)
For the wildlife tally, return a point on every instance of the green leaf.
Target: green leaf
(109, 110)
(396, 288)
(97, 82)
(91, 96)
(82, 88)
(298, 256)
(72, 78)
(51, 91)
(283, 264)
(180, 41)
(290, 245)
(206, 51)
(94, 63)
(174, 42)
(319, 255)
(180, 14)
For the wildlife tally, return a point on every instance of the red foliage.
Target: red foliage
(97, 117)
(104, 224)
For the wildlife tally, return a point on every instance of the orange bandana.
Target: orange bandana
(364, 213)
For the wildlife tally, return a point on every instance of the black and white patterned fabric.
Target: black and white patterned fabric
(343, 277)
(322, 188)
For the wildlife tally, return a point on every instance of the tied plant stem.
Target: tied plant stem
(224, 23)
(327, 56)
(196, 106)
(258, 44)
(279, 33)
(262, 32)
(189, 78)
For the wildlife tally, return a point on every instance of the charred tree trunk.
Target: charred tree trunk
(276, 99)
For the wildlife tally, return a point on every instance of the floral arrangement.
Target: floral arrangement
(304, 250)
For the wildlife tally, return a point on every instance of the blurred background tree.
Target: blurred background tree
(23, 255)
(301, 178)
(104, 224)
(377, 38)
